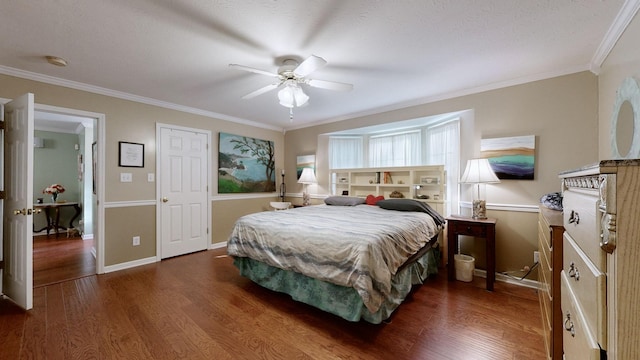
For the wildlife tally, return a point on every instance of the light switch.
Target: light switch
(151, 177)
(126, 177)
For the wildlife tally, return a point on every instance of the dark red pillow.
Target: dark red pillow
(372, 200)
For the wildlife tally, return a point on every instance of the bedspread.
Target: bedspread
(356, 246)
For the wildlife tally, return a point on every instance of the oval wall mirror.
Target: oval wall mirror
(625, 121)
(624, 128)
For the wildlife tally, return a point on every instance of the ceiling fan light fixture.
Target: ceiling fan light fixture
(300, 97)
(286, 97)
(292, 95)
(290, 75)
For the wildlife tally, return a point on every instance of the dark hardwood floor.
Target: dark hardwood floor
(57, 259)
(198, 307)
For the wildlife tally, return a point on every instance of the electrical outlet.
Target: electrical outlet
(136, 240)
(536, 257)
(126, 177)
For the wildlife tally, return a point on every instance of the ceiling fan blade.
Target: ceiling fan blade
(261, 91)
(311, 64)
(254, 70)
(330, 85)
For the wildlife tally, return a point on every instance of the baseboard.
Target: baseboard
(217, 245)
(149, 260)
(503, 278)
(129, 264)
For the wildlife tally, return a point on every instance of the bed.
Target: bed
(358, 262)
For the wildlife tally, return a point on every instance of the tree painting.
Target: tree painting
(245, 165)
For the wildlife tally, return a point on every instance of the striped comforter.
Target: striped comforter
(355, 246)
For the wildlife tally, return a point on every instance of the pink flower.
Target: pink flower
(54, 189)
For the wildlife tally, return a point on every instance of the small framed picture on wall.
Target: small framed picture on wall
(130, 154)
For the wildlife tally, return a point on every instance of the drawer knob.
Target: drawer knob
(568, 325)
(573, 271)
(574, 217)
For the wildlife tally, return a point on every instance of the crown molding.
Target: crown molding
(617, 28)
(126, 96)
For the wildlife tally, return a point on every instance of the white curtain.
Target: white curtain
(345, 152)
(401, 149)
(443, 147)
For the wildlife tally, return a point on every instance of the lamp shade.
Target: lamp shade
(307, 177)
(478, 171)
(292, 95)
(286, 97)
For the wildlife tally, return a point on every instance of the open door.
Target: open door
(17, 209)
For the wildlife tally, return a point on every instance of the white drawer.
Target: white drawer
(588, 284)
(582, 221)
(578, 342)
(544, 233)
(545, 272)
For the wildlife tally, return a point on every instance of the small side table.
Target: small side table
(479, 228)
(52, 212)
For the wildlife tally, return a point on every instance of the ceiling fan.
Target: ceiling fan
(289, 76)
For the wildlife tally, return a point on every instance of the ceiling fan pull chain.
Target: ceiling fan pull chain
(290, 114)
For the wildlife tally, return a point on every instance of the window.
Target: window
(432, 144)
(400, 149)
(345, 152)
(443, 147)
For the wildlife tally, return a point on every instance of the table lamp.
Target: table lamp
(479, 173)
(307, 177)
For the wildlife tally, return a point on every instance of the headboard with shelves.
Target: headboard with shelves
(425, 183)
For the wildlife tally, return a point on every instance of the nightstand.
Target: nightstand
(478, 228)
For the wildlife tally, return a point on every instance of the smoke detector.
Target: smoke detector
(57, 61)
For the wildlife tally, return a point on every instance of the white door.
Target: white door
(184, 198)
(17, 249)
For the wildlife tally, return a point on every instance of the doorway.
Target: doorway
(64, 248)
(16, 253)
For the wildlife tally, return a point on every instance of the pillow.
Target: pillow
(411, 205)
(344, 200)
(552, 200)
(372, 200)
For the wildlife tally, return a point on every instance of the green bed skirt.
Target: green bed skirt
(335, 299)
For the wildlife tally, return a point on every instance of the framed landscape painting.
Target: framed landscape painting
(511, 158)
(305, 161)
(245, 165)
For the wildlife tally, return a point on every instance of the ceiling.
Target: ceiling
(48, 121)
(395, 53)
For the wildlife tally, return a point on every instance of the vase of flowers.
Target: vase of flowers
(54, 190)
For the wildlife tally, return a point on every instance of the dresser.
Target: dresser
(550, 237)
(600, 277)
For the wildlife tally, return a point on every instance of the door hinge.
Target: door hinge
(1, 124)
(1, 264)
(3, 195)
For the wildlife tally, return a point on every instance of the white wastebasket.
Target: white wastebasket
(464, 265)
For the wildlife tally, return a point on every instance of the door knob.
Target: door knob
(20, 212)
(164, 199)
